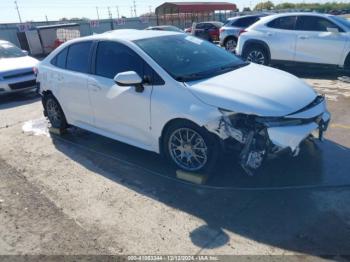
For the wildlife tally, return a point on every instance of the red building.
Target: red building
(185, 13)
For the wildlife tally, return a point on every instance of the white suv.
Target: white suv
(297, 37)
(179, 95)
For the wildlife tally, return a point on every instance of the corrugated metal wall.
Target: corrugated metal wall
(9, 31)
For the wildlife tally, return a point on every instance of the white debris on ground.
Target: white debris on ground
(37, 127)
(333, 89)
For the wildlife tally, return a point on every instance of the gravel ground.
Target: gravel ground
(58, 199)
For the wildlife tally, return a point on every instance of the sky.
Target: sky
(37, 10)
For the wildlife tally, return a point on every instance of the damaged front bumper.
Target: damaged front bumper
(261, 136)
(291, 136)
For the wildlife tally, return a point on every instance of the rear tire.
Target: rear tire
(256, 54)
(190, 147)
(55, 113)
(230, 44)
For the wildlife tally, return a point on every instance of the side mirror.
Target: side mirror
(333, 30)
(129, 78)
(25, 52)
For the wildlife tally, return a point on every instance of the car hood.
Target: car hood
(254, 89)
(17, 63)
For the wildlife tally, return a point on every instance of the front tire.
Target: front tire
(256, 54)
(191, 148)
(55, 113)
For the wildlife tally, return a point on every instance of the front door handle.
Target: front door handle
(95, 87)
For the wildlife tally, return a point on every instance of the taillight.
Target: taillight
(222, 30)
(242, 32)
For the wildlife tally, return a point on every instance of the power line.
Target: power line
(19, 15)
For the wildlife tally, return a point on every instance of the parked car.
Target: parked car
(16, 69)
(299, 38)
(233, 27)
(180, 96)
(207, 30)
(165, 28)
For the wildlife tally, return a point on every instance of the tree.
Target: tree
(264, 6)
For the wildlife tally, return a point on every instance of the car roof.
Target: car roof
(246, 16)
(271, 17)
(128, 35)
(299, 14)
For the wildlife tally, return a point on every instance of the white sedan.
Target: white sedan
(16, 69)
(178, 95)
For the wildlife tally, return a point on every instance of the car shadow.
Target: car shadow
(232, 203)
(313, 72)
(18, 99)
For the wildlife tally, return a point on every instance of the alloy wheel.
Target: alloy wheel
(256, 56)
(188, 149)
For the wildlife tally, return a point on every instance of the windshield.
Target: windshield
(343, 21)
(188, 58)
(8, 50)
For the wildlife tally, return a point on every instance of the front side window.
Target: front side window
(188, 58)
(113, 58)
(78, 57)
(8, 50)
(285, 23)
(314, 23)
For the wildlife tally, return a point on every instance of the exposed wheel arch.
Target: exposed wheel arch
(165, 129)
(176, 121)
(211, 140)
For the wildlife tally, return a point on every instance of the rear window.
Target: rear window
(245, 22)
(286, 23)
(78, 57)
(60, 59)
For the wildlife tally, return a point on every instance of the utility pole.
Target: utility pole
(117, 11)
(19, 15)
(98, 15)
(135, 8)
(110, 17)
(109, 12)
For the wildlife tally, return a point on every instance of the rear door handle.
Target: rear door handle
(303, 37)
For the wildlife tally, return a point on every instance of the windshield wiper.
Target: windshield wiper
(233, 66)
(209, 73)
